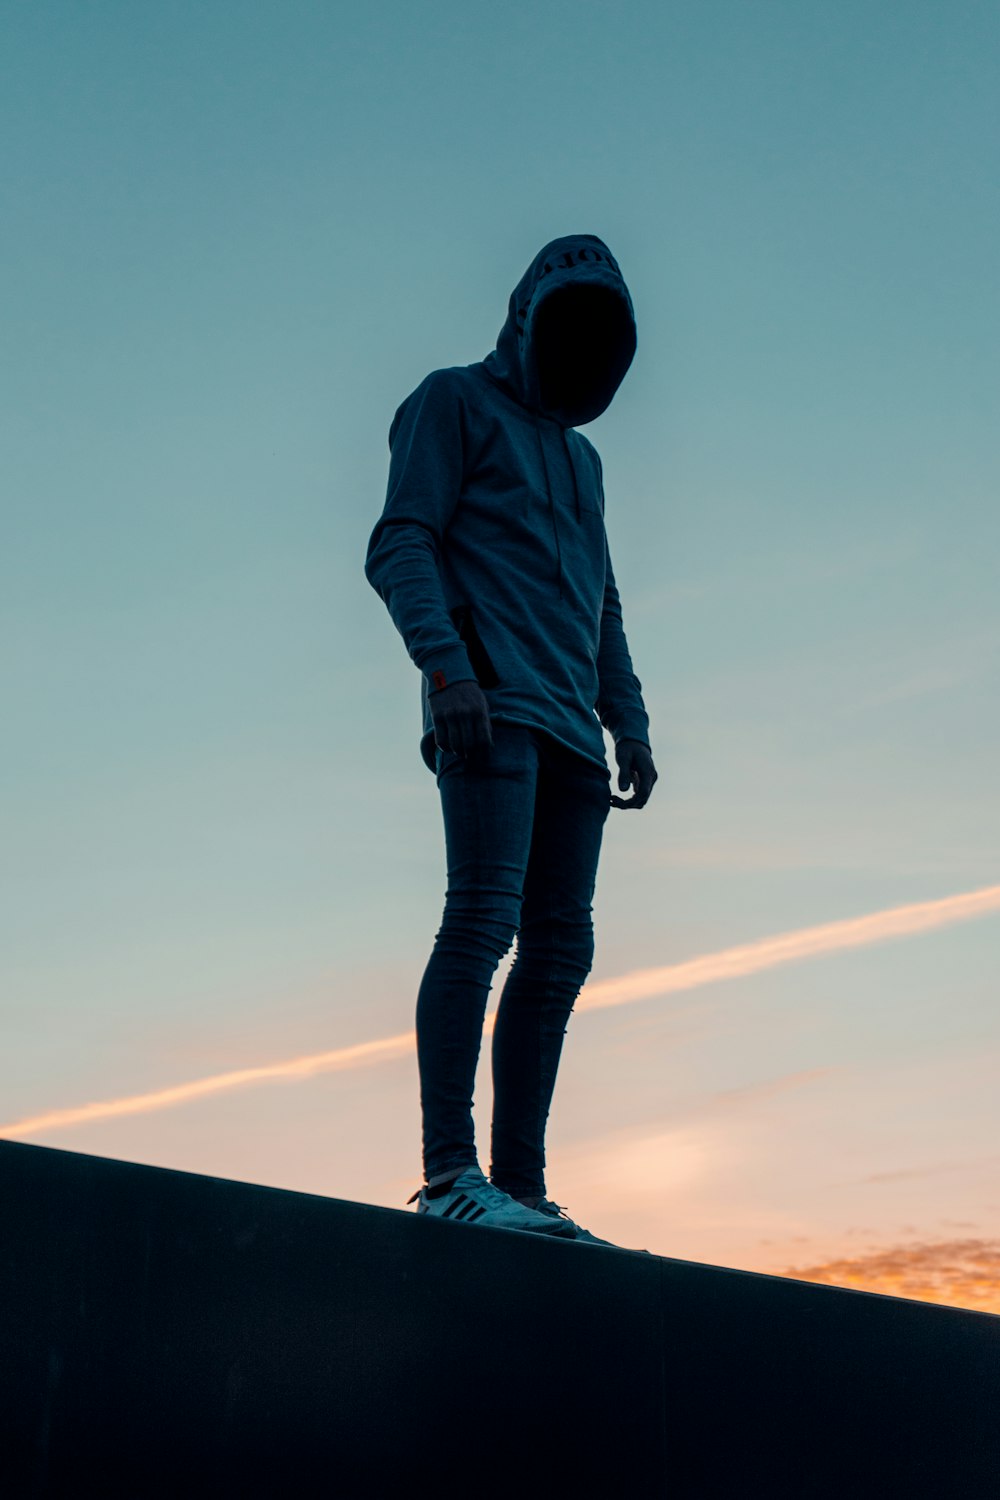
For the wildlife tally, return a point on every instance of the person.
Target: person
(491, 556)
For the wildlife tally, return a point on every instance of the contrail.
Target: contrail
(640, 984)
(787, 947)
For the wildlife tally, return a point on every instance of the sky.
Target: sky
(235, 237)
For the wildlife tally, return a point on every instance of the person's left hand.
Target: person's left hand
(635, 767)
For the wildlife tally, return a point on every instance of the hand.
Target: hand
(461, 717)
(635, 768)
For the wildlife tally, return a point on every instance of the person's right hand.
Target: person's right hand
(461, 717)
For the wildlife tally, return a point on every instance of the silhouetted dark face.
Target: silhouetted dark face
(581, 341)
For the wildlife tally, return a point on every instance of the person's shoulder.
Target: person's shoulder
(456, 378)
(585, 446)
(445, 386)
(469, 385)
(446, 394)
(436, 389)
(466, 386)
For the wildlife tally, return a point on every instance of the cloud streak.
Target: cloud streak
(640, 984)
(789, 947)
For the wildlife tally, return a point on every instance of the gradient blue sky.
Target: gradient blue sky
(235, 237)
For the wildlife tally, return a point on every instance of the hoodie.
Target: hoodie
(491, 553)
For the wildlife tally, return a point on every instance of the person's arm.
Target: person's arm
(619, 703)
(425, 482)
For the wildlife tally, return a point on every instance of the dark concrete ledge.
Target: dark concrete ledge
(167, 1334)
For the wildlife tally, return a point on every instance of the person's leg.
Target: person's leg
(487, 803)
(555, 951)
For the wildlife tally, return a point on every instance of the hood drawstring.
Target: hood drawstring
(548, 486)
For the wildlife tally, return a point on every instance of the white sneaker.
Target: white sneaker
(473, 1199)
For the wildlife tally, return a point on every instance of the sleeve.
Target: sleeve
(619, 703)
(426, 445)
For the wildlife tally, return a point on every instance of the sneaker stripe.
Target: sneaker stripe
(463, 1207)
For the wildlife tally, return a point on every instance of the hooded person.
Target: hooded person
(491, 553)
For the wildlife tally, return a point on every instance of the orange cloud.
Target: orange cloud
(952, 1273)
(730, 963)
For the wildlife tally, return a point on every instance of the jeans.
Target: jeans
(523, 825)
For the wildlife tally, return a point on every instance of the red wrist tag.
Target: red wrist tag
(438, 679)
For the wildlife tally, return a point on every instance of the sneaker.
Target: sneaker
(475, 1200)
(555, 1210)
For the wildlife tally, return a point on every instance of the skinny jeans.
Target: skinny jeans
(523, 823)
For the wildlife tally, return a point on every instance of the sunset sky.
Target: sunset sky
(236, 236)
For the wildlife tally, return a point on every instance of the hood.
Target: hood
(570, 333)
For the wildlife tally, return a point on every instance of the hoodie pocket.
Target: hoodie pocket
(479, 659)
